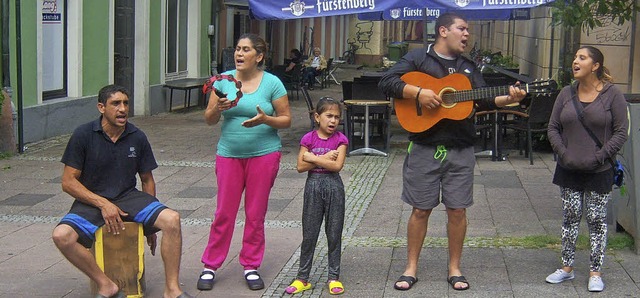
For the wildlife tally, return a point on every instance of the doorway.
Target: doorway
(123, 47)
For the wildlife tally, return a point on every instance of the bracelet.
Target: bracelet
(418, 94)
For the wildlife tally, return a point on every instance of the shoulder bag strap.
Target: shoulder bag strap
(579, 111)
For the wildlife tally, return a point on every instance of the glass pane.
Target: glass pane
(172, 16)
(53, 41)
(182, 36)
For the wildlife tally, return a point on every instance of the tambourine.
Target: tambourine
(208, 86)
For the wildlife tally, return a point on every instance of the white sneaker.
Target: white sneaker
(560, 276)
(596, 284)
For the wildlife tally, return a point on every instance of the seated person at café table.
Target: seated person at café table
(313, 67)
(295, 58)
(285, 72)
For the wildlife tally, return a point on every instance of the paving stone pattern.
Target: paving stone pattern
(512, 199)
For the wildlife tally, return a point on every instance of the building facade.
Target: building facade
(69, 49)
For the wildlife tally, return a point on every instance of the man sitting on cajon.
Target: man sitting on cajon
(101, 161)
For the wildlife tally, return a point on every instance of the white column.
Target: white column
(343, 34)
(39, 52)
(229, 39)
(163, 40)
(283, 51)
(332, 52)
(323, 35)
(262, 26)
(111, 35)
(74, 48)
(141, 60)
(298, 34)
(194, 39)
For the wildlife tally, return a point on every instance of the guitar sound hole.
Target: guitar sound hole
(448, 99)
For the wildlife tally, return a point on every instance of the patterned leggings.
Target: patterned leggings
(596, 208)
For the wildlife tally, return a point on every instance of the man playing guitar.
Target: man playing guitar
(440, 159)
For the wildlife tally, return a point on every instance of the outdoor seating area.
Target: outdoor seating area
(511, 132)
(514, 128)
(368, 114)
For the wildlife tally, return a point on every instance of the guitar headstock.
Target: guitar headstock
(541, 87)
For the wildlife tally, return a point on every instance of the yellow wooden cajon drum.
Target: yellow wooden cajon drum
(121, 257)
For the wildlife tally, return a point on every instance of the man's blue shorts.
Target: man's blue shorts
(140, 206)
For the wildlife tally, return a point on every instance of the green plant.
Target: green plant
(586, 15)
(589, 14)
(504, 61)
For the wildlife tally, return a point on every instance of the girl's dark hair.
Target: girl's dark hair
(325, 103)
(258, 43)
(446, 20)
(602, 73)
(107, 91)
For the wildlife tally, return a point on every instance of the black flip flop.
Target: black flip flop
(255, 284)
(453, 280)
(410, 280)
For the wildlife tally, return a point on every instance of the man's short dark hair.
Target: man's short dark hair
(446, 20)
(109, 90)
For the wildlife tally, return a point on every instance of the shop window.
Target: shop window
(176, 39)
(54, 53)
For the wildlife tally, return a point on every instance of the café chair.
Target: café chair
(325, 75)
(533, 120)
(310, 109)
(379, 116)
(293, 80)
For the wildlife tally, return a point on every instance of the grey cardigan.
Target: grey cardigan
(606, 116)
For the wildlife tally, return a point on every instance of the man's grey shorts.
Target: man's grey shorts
(424, 177)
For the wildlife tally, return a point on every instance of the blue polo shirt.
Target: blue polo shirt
(109, 169)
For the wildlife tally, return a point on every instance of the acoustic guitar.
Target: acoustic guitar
(457, 96)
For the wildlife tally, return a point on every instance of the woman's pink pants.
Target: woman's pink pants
(255, 176)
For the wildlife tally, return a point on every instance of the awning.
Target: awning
(387, 9)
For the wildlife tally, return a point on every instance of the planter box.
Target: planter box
(7, 138)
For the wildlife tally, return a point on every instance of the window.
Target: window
(241, 24)
(176, 39)
(54, 53)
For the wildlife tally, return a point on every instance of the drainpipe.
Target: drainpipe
(632, 52)
(6, 66)
(553, 34)
(213, 28)
(19, 79)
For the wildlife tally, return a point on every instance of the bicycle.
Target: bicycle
(349, 56)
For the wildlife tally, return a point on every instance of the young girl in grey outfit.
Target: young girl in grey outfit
(322, 154)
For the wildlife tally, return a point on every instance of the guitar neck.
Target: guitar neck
(475, 94)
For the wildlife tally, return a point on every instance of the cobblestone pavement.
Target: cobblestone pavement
(512, 200)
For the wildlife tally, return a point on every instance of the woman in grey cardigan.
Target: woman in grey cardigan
(583, 171)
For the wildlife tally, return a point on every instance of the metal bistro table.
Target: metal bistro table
(336, 64)
(186, 85)
(367, 103)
